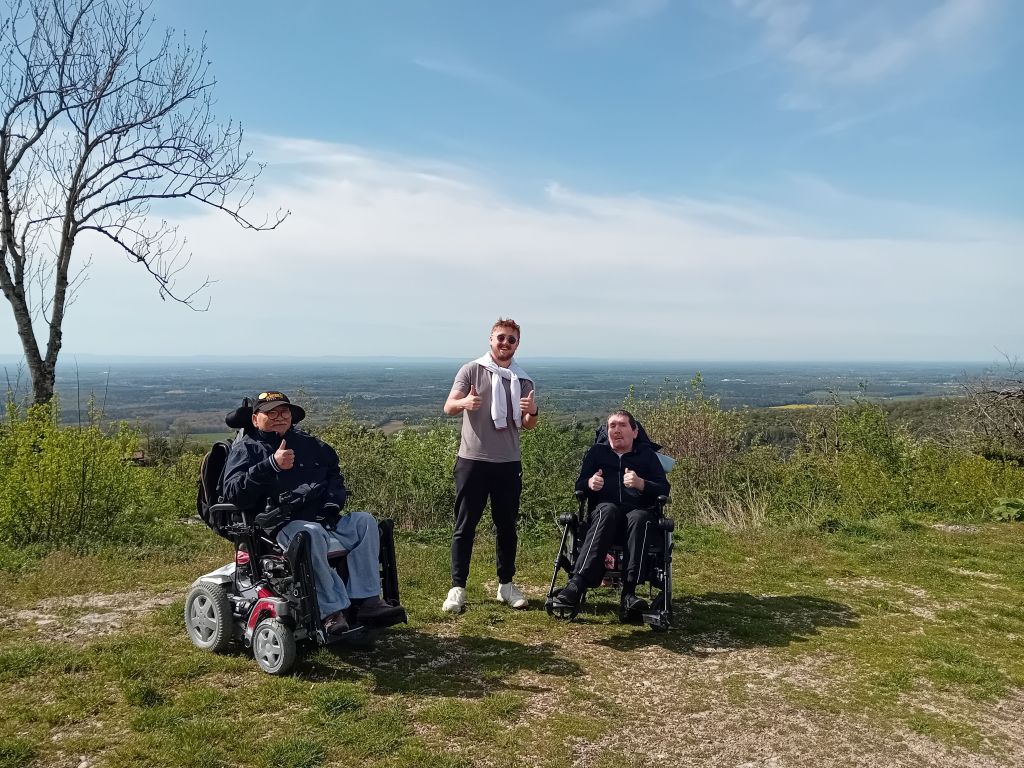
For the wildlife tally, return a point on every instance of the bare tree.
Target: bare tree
(993, 413)
(102, 118)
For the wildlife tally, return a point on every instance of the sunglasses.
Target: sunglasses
(501, 337)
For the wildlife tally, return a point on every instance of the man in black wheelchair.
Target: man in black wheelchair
(302, 568)
(622, 485)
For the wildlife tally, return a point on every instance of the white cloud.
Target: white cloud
(398, 256)
(459, 69)
(867, 45)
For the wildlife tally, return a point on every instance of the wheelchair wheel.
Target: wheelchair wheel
(273, 647)
(208, 617)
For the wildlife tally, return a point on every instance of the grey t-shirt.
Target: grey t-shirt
(480, 439)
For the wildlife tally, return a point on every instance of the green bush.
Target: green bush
(407, 476)
(64, 486)
(853, 463)
(1008, 510)
(78, 487)
(75, 487)
(552, 456)
(958, 485)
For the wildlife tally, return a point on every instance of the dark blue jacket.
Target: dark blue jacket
(251, 476)
(641, 460)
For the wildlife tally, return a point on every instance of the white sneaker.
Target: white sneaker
(510, 594)
(456, 600)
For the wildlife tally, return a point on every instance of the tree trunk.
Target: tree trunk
(43, 377)
(43, 372)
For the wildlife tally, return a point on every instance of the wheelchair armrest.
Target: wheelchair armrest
(580, 495)
(227, 516)
(663, 500)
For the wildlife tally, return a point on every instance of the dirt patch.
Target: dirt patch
(82, 616)
(743, 708)
(948, 528)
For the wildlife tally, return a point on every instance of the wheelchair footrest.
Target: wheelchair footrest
(350, 634)
(560, 611)
(657, 620)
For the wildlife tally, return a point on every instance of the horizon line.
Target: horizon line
(71, 358)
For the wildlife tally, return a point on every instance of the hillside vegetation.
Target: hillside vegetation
(845, 464)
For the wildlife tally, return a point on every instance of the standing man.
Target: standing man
(496, 399)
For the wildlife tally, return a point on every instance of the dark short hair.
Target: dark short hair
(627, 414)
(506, 322)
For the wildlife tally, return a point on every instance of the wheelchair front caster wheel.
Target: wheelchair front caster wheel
(273, 647)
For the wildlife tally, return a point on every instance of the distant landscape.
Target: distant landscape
(194, 394)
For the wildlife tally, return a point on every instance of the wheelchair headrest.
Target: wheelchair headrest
(241, 417)
(601, 437)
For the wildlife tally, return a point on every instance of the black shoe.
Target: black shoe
(633, 608)
(373, 610)
(569, 598)
(335, 624)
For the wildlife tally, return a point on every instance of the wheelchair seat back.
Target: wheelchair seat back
(208, 495)
(212, 469)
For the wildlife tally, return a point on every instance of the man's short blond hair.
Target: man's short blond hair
(506, 322)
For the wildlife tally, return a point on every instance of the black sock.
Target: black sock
(628, 588)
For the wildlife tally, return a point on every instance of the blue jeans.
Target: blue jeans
(355, 533)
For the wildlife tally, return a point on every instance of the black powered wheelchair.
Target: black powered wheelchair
(266, 599)
(657, 552)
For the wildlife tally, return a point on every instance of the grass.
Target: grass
(880, 645)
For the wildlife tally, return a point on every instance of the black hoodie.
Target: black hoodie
(642, 460)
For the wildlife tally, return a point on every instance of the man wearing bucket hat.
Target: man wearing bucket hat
(300, 475)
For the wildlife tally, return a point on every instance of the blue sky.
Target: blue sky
(727, 179)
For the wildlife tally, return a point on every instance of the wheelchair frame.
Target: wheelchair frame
(659, 614)
(254, 612)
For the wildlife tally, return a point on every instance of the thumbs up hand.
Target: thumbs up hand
(631, 479)
(471, 402)
(596, 481)
(528, 405)
(284, 456)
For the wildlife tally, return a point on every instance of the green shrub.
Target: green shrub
(957, 485)
(78, 488)
(64, 486)
(422, 489)
(406, 476)
(703, 439)
(1008, 510)
(853, 463)
(552, 457)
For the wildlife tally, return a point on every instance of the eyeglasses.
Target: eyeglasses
(502, 338)
(278, 413)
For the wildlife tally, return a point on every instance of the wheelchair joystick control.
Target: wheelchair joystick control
(272, 516)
